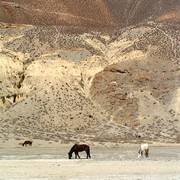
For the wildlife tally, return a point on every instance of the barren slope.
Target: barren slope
(96, 13)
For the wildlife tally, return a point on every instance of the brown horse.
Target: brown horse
(79, 148)
(27, 143)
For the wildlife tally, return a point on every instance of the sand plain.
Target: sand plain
(50, 161)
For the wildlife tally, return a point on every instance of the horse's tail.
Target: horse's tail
(89, 152)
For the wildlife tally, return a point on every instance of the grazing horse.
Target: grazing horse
(79, 148)
(27, 143)
(144, 149)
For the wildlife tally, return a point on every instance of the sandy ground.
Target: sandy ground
(88, 169)
(40, 162)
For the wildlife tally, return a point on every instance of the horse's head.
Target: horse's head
(139, 153)
(70, 155)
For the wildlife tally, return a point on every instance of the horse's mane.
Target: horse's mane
(74, 146)
(72, 149)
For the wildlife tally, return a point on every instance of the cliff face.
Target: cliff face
(69, 82)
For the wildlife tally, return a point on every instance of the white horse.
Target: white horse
(144, 149)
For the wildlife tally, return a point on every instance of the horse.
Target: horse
(25, 143)
(144, 149)
(79, 148)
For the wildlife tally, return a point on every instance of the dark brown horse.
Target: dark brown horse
(25, 143)
(79, 148)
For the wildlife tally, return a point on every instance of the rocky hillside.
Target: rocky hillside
(89, 13)
(73, 83)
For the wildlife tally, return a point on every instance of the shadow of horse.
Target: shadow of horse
(79, 148)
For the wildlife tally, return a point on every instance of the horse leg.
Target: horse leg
(75, 155)
(147, 153)
(88, 153)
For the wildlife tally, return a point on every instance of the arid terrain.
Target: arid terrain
(97, 71)
(101, 72)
